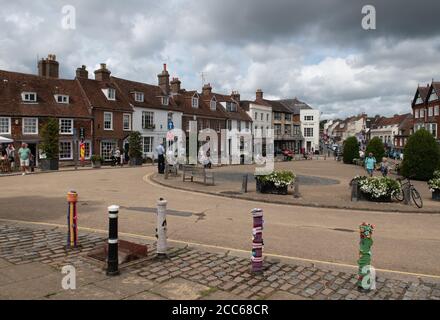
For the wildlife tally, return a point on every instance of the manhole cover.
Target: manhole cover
(127, 252)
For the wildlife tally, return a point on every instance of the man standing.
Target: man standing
(161, 159)
(24, 153)
(11, 155)
(370, 164)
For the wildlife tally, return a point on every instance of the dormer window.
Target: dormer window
(139, 96)
(62, 98)
(231, 106)
(165, 101)
(110, 93)
(29, 96)
(213, 104)
(195, 101)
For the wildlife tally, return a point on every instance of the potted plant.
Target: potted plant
(434, 186)
(275, 183)
(96, 161)
(378, 189)
(50, 145)
(135, 148)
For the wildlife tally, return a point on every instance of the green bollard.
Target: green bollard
(364, 262)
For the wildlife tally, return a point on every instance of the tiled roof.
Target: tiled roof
(239, 115)
(93, 90)
(12, 84)
(395, 120)
(277, 106)
(184, 100)
(152, 95)
(295, 105)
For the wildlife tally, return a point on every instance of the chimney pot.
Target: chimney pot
(259, 94)
(48, 67)
(102, 74)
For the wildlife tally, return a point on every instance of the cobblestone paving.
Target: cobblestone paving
(218, 272)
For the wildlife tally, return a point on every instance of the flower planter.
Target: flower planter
(270, 188)
(96, 164)
(49, 164)
(436, 195)
(383, 199)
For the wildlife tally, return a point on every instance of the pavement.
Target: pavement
(32, 257)
(404, 243)
(322, 184)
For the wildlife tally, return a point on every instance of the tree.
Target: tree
(421, 156)
(351, 150)
(50, 135)
(377, 148)
(135, 145)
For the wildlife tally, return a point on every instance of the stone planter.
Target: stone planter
(436, 195)
(136, 161)
(270, 188)
(96, 164)
(49, 164)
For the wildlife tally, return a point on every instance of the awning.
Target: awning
(5, 140)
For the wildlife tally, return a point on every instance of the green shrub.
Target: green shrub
(377, 148)
(50, 139)
(421, 156)
(351, 150)
(135, 145)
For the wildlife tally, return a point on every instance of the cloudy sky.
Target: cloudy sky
(315, 50)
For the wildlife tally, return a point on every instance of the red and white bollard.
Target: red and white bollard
(257, 243)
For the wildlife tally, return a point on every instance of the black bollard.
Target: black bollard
(244, 186)
(112, 261)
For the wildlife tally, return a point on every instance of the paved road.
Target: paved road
(403, 242)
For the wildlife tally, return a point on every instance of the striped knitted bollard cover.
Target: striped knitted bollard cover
(366, 242)
(257, 243)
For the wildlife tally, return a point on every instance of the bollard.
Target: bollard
(406, 194)
(364, 262)
(72, 220)
(257, 243)
(355, 191)
(161, 230)
(244, 185)
(113, 261)
(296, 193)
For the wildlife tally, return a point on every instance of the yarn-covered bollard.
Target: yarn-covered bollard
(364, 262)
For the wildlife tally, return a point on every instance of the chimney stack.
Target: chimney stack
(164, 79)
(49, 67)
(175, 86)
(259, 94)
(102, 74)
(82, 73)
(207, 89)
(236, 96)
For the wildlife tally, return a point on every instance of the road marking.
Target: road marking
(272, 255)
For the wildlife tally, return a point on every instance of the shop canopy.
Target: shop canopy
(5, 140)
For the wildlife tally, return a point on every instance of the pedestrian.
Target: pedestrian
(384, 167)
(160, 150)
(370, 164)
(117, 157)
(10, 150)
(24, 153)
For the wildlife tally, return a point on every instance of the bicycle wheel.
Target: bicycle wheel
(399, 196)
(417, 198)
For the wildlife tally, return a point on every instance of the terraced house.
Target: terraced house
(426, 108)
(27, 101)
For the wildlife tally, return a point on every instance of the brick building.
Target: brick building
(27, 101)
(425, 107)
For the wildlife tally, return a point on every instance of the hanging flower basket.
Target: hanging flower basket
(275, 183)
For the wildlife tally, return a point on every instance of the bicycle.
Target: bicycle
(414, 194)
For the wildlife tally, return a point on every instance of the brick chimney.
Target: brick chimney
(49, 67)
(164, 79)
(236, 96)
(259, 94)
(82, 73)
(207, 89)
(175, 85)
(102, 74)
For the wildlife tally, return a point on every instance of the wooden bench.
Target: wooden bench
(190, 172)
